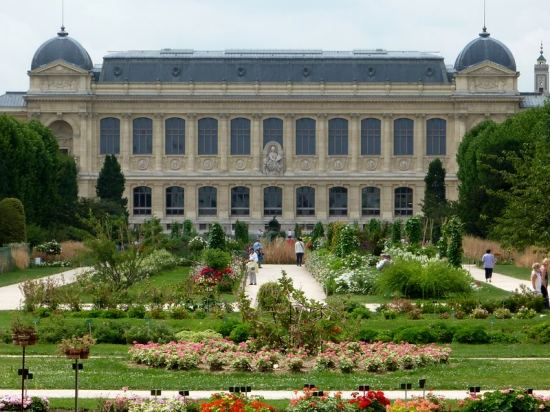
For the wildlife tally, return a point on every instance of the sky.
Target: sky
(101, 26)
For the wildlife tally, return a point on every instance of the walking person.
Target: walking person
(536, 277)
(252, 269)
(488, 260)
(299, 249)
(258, 248)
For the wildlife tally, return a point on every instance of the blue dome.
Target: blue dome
(64, 48)
(485, 48)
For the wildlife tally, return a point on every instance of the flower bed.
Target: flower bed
(347, 356)
(370, 401)
(32, 404)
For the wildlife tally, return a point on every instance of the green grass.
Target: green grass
(513, 271)
(22, 275)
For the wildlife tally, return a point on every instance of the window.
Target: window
(273, 201)
(208, 136)
(273, 131)
(370, 137)
(143, 136)
(240, 136)
(305, 136)
(403, 201)
(240, 201)
(142, 200)
(305, 201)
(174, 136)
(337, 137)
(403, 137)
(174, 201)
(109, 136)
(338, 201)
(436, 137)
(370, 201)
(208, 201)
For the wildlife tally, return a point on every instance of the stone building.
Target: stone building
(304, 135)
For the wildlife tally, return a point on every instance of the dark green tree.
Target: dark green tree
(435, 206)
(12, 221)
(68, 188)
(273, 225)
(297, 231)
(241, 232)
(317, 232)
(110, 183)
(454, 230)
(216, 237)
(396, 230)
(413, 230)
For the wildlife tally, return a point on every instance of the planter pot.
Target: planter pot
(77, 353)
(24, 339)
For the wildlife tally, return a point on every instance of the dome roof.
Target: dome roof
(485, 48)
(64, 48)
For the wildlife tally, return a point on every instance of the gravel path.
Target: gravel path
(499, 281)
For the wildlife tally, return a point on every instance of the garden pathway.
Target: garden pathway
(499, 281)
(302, 279)
(11, 297)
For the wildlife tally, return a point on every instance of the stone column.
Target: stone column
(289, 203)
(158, 140)
(386, 205)
(224, 141)
(419, 142)
(321, 201)
(387, 141)
(256, 139)
(354, 200)
(322, 141)
(190, 200)
(191, 140)
(126, 141)
(289, 139)
(354, 141)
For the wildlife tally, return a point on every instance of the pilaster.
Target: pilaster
(321, 201)
(223, 140)
(190, 201)
(387, 141)
(386, 205)
(158, 139)
(256, 203)
(289, 204)
(256, 139)
(224, 202)
(419, 139)
(126, 140)
(191, 140)
(322, 141)
(157, 200)
(354, 141)
(354, 201)
(289, 139)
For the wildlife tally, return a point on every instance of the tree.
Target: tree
(241, 232)
(12, 221)
(435, 206)
(216, 237)
(453, 230)
(396, 232)
(413, 230)
(110, 183)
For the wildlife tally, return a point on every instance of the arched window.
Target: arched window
(337, 136)
(403, 136)
(109, 136)
(305, 136)
(143, 136)
(370, 201)
(370, 137)
(174, 136)
(240, 136)
(436, 137)
(208, 136)
(142, 200)
(273, 201)
(208, 201)
(240, 201)
(174, 201)
(273, 131)
(403, 201)
(338, 201)
(305, 201)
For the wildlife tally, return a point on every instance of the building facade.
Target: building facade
(305, 136)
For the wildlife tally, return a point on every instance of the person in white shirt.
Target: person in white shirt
(383, 262)
(252, 269)
(536, 277)
(488, 260)
(299, 249)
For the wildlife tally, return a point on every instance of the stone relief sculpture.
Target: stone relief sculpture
(273, 160)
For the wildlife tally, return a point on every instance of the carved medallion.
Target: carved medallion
(338, 165)
(404, 164)
(240, 164)
(305, 164)
(143, 164)
(207, 164)
(372, 164)
(175, 164)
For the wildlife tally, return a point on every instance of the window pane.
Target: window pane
(207, 201)
(208, 136)
(370, 201)
(174, 136)
(338, 137)
(142, 200)
(370, 137)
(109, 136)
(273, 201)
(305, 201)
(338, 201)
(240, 136)
(240, 201)
(403, 201)
(143, 136)
(436, 137)
(305, 136)
(403, 137)
(174, 201)
(273, 131)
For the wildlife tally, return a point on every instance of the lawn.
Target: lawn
(21, 275)
(513, 271)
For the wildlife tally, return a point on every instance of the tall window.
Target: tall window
(142, 200)
(109, 136)
(208, 136)
(240, 136)
(305, 201)
(436, 137)
(370, 201)
(403, 137)
(337, 136)
(174, 136)
(208, 201)
(305, 136)
(240, 201)
(370, 137)
(143, 136)
(403, 201)
(174, 201)
(338, 201)
(273, 131)
(273, 201)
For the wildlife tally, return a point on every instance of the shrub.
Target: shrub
(216, 237)
(396, 232)
(525, 313)
(361, 312)
(417, 334)
(270, 295)
(502, 400)
(540, 333)
(136, 311)
(12, 221)
(242, 363)
(197, 243)
(413, 230)
(241, 232)
(317, 232)
(240, 333)
(367, 335)
(226, 327)
(454, 230)
(479, 313)
(502, 313)
(152, 332)
(216, 258)
(197, 336)
(472, 335)
(347, 241)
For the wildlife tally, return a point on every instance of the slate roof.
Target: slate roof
(532, 100)
(62, 47)
(13, 99)
(484, 48)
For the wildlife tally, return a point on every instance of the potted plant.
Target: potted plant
(23, 334)
(76, 347)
